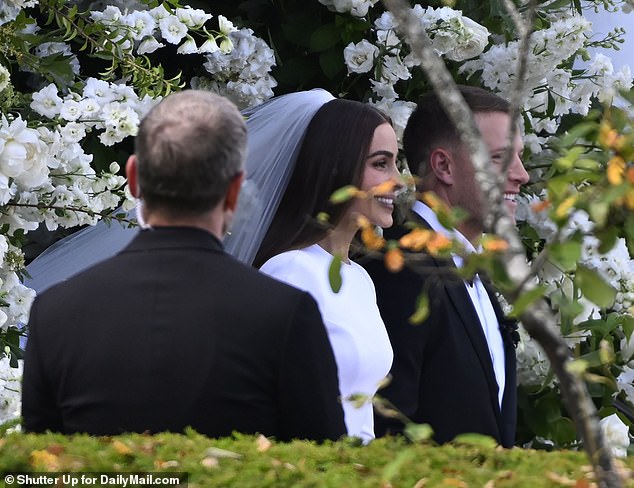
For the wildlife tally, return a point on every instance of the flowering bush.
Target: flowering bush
(75, 79)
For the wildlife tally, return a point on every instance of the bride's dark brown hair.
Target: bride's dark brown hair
(333, 154)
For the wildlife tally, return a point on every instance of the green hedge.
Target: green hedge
(248, 461)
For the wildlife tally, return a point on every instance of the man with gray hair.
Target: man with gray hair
(173, 332)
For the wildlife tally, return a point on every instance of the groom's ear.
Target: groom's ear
(231, 198)
(131, 174)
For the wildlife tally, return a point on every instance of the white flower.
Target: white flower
(225, 26)
(188, 47)
(616, 435)
(5, 78)
(172, 29)
(23, 155)
(71, 110)
(471, 43)
(10, 390)
(142, 23)
(149, 45)
(99, 91)
(46, 102)
(360, 57)
(209, 46)
(192, 18)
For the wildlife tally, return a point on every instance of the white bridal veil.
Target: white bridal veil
(275, 132)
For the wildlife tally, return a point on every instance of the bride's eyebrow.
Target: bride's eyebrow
(389, 154)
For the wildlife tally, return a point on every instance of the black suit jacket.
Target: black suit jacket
(442, 372)
(173, 332)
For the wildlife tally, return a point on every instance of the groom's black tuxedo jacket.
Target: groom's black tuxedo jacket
(173, 332)
(442, 372)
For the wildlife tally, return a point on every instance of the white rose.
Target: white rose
(476, 39)
(617, 435)
(23, 155)
(360, 57)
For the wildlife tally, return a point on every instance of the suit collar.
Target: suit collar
(174, 237)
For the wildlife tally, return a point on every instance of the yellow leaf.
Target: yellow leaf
(44, 460)
(616, 170)
(565, 206)
(629, 199)
(454, 482)
(121, 448)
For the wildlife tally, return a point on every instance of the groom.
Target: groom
(456, 370)
(173, 332)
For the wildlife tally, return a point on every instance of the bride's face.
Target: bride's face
(380, 166)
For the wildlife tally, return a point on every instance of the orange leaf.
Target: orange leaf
(384, 188)
(416, 239)
(630, 175)
(541, 206)
(494, 244)
(438, 243)
(371, 239)
(435, 203)
(394, 260)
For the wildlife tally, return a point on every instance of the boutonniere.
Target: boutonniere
(510, 332)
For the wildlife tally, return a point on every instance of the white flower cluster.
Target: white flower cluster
(142, 30)
(546, 78)
(243, 73)
(533, 366)
(9, 9)
(10, 390)
(453, 36)
(357, 8)
(112, 107)
(615, 266)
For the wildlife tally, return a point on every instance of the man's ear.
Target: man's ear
(441, 164)
(231, 198)
(131, 174)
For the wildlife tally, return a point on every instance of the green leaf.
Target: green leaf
(324, 38)
(594, 287)
(418, 432)
(527, 299)
(343, 194)
(334, 273)
(476, 440)
(422, 309)
(331, 62)
(566, 254)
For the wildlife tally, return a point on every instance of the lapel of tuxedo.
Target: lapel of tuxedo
(461, 302)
